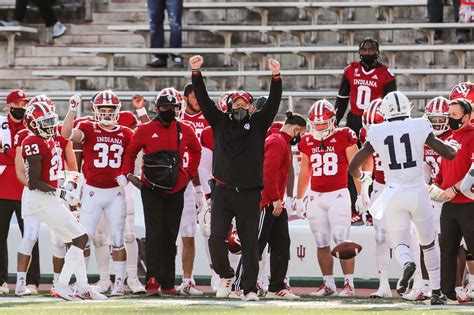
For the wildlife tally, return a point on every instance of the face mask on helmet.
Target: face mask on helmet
(323, 129)
(45, 126)
(106, 117)
(439, 123)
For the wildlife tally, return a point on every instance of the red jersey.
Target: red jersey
(432, 158)
(275, 127)
(451, 172)
(126, 118)
(153, 136)
(328, 159)
(11, 186)
(103, 152)
(365, 85)
(51, 162)
(207, 138)
(379, 176)
(198, 121)
(81, 119)
(276, 164)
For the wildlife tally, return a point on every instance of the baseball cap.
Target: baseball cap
(245, 95)
(16, 96)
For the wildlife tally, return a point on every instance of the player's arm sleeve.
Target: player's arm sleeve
(205, 169)
(273, 157)
(270, 109)
(70, 157)
(445, 150)
(208, 107)
(194, 148)
(468, 183)
(131, 152)
(342, 99)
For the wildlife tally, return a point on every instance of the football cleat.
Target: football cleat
(251, 296)
(118, 289)
(324, 290)
(21, 288)
(152, 287)
(225, 286)
(408, 271)
(33, 288)
(416, 294)
(461, 296)
(438, 299)
(65, 292)
(382, 293)
(135, 285)
(90, 293)
(282, 295)
(236, 294)
(189, 288)
(171, 291)
(103, 285)
(4, 288)
(260, 291)
(470, 290)
(347, 291)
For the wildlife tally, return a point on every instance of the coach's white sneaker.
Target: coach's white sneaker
(382, 292)
(461, 295)
(189, 288)
(4, 288)
(416, 294)
(215, 280)
(21, 288)
(33, 289)
(118, 289)
(282, 295)
(103, 285)
(251, 296)
(90, 293)
(236, 294)
(135, 285)
(347, 291)
(225, 286)
(65, 292)
(324, 290)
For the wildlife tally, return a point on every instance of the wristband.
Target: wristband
(141, 111)
(455, 190)
(276, 75)
(197, 70)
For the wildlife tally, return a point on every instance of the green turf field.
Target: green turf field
(207, 305)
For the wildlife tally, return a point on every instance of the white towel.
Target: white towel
(5, 135)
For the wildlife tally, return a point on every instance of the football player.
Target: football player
(400, 141)
(43, 202)
(104, 143)
(326, 153)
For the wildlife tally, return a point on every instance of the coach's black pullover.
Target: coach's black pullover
(238, 147)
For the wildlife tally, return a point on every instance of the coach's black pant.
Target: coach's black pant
(244, 206)
(354, 122)
(45, 9)
(162, 218)
(274, 232)
(7, 208)
(457, 221)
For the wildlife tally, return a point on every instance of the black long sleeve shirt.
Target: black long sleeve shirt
(238, 147)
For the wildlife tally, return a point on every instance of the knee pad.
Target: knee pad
(117, 240)
(26, 246)
(59, 250)
(100, 240)
(339, 234)
(380, 235)
(129, 237)
(321, 239)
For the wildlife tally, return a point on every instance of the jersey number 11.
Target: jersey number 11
(394, 165)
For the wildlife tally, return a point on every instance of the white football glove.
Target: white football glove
(361, 205)
(436, 193)
(122, 180)
(288, 202)
(366, 178)
(71, 198)
(200, 200)
(75, 102)
(299, 207)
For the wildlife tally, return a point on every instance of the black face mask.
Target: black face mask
(17, 113)
(167, 115)
(239, 114)
(454, 124)
(368, 59)
(295, 139)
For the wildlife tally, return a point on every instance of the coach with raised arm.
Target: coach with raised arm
(237, 170)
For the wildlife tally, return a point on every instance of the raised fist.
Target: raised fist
(138, 101)
(274, 66)
(75, 102)
(196, 62)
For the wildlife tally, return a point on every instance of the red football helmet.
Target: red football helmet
(41, 119)
(42, 99)
(463, 90)
(233, 241)
(106, 99)
(372, 113)
(322, 113)
(437, 113)
(223, 101)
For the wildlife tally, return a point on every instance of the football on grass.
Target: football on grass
(346, 250)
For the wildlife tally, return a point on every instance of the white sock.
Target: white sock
(71, 261)
(432, 262)
(329, 281)
(349, 279)
(403, 255)
(187, 280)
(119, 271)
(471, 279)
(81, 273)
(102, 257)
(20, 276)
(132, 258)
(55, 277)
(383, 282)
(86, 260)
(382, 260)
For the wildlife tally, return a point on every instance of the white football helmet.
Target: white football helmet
(395, 104)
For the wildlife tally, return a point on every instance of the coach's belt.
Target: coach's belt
(236, 189)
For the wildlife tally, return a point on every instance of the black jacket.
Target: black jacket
(238, 147)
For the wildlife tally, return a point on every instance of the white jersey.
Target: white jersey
(400, 145)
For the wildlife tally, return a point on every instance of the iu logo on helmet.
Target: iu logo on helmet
(301, 252)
